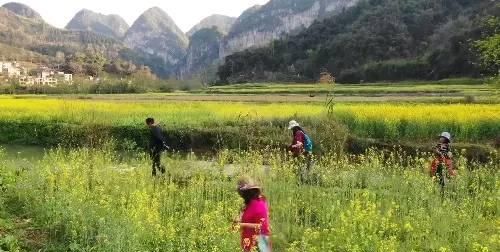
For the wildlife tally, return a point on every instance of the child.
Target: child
(443, 155)
(254, 219)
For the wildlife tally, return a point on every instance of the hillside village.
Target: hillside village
(38, 76)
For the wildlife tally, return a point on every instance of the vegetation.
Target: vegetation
(88, 199)
(417, 121)
(460, 87)
(489, 47)
(121, 78)
(35, 40)
(267, 17)
(214, 125)
(420, 40)
(203, 49)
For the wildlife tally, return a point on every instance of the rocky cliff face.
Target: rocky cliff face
(261, 24)
(221, 22)
(202, 53)
(110, 25)
(154, 33)
(23, 11)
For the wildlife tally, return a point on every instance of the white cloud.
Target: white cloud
(186, 13)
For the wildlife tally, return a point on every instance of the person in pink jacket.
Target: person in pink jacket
(254, 219)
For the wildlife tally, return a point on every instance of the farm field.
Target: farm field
(94, 192)
(385, 121)
(415, 91)
(445, 91)
(354, 89)
(90, 200)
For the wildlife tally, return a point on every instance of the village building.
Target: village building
(44, 76)
(11, 69)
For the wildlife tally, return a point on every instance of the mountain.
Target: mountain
(110, 25)
(202, 54)
(33, 34)
(375, 40)
(153, 41)
(260, 25)
(221, 22)
(155, 34)
(23, 10)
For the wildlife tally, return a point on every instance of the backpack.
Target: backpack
(308, 145)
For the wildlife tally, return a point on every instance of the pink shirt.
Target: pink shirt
(299, 136)
(256, 212)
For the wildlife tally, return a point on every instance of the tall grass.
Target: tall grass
(23, 118)
(88, 200)
(418, 121)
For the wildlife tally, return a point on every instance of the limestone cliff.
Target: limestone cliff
(261, 24)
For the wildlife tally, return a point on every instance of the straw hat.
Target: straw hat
(446, 135)
(292, 124)
(246, 183)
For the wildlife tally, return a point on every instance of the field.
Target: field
(86, 200)
(444, 91)
(91, 189)
(437, 91)
(386, 121)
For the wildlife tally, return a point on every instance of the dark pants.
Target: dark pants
(156, 159)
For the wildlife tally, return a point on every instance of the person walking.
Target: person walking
(157, 145)
(301, 147)
(254, 219)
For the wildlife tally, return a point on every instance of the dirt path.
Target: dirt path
(264, 98)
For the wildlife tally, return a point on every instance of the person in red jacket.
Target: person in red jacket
(301, 147)
(443, 155)
(299, 139)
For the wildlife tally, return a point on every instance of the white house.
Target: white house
(68, 78)
(11, 69)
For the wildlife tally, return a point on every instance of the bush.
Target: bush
(351, 76)
(469, 99)
(396, 70)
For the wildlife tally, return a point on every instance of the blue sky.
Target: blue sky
(186, 13)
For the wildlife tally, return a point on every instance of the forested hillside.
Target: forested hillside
(373, 41)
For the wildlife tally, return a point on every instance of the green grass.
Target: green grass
(443, 91)
(376, 89)
(87, 200)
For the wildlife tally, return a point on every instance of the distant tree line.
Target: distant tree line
(377, 40)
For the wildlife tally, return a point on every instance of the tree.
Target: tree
(74, 63)
(94, 64)
(489, 46)
(121, 67)
(390, 37)
(60, 57)
(489, 49)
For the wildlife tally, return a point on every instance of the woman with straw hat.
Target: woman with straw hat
(302, 146)
(254, 220)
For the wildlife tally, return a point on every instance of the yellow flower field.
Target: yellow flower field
(88, 200)
(382, 120)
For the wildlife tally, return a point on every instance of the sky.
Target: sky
(186, 13)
